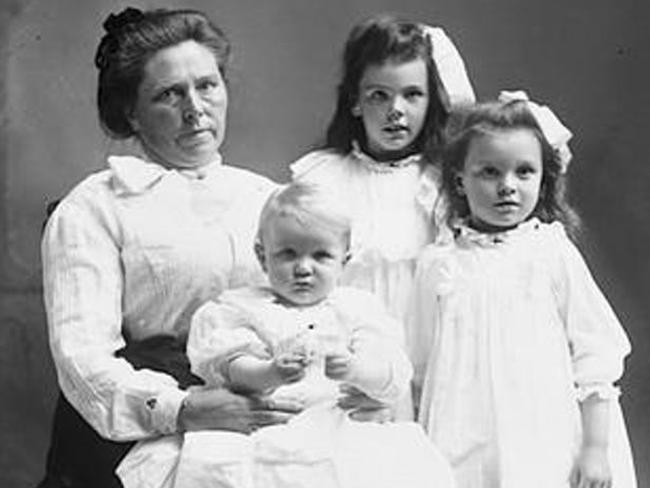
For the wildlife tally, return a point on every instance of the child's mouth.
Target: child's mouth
(396, 129)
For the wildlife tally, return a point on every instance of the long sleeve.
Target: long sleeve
(597, 341)
(83, 287)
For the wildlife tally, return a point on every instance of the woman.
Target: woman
(133, 250)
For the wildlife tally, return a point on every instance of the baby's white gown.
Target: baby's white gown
(319, 448)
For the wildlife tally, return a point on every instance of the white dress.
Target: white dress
(517, 333)
(320, 447)
(135, 249)
(392, 207)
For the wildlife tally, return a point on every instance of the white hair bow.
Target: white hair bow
(554, 131)
(451, 67)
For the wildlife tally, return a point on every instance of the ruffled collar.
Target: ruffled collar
(464, 233)
(383, 166)
(136, 175)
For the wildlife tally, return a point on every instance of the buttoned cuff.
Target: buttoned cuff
(164, 410)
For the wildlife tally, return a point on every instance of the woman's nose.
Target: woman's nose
(193, 107)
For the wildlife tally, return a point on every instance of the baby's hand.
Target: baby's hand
(337, 365)
(289, 367)
(591, 469)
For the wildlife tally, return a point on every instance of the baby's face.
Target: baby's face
(303, 262)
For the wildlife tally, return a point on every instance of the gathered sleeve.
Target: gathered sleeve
(220, 332)
(597, 341)
(380, 367)
(83, 284)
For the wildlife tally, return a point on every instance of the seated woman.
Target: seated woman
(134, 249)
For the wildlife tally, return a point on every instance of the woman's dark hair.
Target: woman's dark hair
(374, 42)
(467, 123)
(132, 37)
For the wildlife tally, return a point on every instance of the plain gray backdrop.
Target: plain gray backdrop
(587, 59)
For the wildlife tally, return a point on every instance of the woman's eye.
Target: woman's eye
(168, 95)
(207, 85)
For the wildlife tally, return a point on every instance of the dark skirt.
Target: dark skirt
(78, 457)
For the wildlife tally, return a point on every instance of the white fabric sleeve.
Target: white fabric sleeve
(82, 287)
(379, 367)
(220, 332)
(597, 340)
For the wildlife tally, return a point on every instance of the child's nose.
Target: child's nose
(302, 268)
(506, 186)
(396, 109)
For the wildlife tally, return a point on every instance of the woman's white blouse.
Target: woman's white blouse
(392, 207)
(136, 249)
(512, 332)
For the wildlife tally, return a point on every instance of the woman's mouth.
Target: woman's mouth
(195, 136)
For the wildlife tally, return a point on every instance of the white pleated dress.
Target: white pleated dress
(392, 207)
(516, 333)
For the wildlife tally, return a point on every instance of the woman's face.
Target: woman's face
(393, 102)
(180, 112)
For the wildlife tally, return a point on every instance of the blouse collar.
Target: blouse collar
(384, 166)
(465, 233)
(136, 175)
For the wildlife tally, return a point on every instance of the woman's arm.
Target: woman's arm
(83, 286)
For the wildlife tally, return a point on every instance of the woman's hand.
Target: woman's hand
(220, 409)
(363, 408)
(591, 469)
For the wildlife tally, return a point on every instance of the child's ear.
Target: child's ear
(347, 257)
(356, 110)
(259, 252)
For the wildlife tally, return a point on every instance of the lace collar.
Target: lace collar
(464, 233)
(136, 175)
(383, 166)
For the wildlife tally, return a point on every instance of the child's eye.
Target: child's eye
(489, 172)
(414, 94)
(285, 254)
(526, 171)
(377, 96)
(323, 255)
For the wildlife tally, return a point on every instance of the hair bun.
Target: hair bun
(129, 15)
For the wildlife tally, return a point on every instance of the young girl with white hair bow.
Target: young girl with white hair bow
(521, 348)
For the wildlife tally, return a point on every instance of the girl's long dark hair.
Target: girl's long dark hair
(374, 42)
